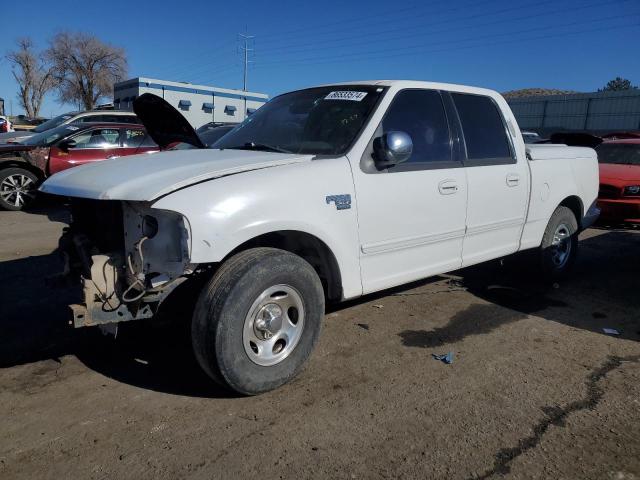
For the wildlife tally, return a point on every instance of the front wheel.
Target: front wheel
(559, 244)
(258, 319)
(17, 188)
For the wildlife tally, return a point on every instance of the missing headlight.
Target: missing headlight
(149, 226)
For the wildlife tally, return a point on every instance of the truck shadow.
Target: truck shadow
(600, 293)
(33, 318)
(34, 327)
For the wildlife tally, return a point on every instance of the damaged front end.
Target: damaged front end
(127, 257)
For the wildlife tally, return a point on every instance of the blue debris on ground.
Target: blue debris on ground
(446, 358)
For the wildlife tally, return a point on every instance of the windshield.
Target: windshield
(621, 153)
(50, 137)
(320, 121)
(210, 137)
(54, 122)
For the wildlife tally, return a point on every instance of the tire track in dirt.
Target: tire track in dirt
(557, 416)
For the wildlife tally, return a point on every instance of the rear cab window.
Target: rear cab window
(484, 130)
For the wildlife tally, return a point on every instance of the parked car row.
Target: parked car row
(73, 139)
(72, 117)
(24, 165)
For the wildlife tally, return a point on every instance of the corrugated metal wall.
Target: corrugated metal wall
(597, 112)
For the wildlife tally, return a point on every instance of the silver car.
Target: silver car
(110, 116)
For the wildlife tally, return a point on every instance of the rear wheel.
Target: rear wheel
(258, 319)
(18, 188)
(559, 243)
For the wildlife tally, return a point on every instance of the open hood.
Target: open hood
(164, 123)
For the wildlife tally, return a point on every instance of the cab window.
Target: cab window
(98, 138)
(484, 131)
(421, 115)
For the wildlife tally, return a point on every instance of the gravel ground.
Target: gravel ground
(536, 390)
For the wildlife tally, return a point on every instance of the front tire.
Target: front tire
(18, 188)
(258, 319)
(559, 246)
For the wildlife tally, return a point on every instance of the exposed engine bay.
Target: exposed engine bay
(126, 256)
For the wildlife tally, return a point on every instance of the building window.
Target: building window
(184, 104)
(208, 107)
(250, 111)
(230, 109)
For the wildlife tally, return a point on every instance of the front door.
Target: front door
(411, 217)
(91, 145)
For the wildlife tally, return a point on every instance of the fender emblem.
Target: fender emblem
(342, 202)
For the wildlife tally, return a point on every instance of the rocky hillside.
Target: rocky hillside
(535, 92)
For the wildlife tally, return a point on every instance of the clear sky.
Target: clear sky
(500, 44)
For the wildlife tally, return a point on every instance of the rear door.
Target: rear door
(411, 217)
(92, 145)
(498, 183)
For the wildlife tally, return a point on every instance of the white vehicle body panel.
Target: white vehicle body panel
(496, 211)
(402, 217)
(229, 211)
(141, 178)
(558, 172)
(399, 227)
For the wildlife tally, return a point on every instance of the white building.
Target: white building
(199, 104)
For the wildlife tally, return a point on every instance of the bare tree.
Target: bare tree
(84, 67)
(32, 74)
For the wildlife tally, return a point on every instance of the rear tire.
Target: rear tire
(559, 247)
(18, 188)
(258, 319)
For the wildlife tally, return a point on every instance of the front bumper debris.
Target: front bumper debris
(103, 278)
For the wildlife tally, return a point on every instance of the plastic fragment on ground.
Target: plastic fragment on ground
(446, 358)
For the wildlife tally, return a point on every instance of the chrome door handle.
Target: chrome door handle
(447, 187)
(513, 179)
(112, 157)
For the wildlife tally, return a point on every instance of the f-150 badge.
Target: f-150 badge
(342, 202)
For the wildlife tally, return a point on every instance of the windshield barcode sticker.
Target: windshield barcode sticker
(346, 95)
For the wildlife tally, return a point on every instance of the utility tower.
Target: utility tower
(244, 48)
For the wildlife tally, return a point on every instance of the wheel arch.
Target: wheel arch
(574, 203)
(307, 246)
(13, 163)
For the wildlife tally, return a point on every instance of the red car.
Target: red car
(23, 166)
(619, 197)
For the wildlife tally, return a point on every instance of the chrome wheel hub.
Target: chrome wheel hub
(268, 321)
(17, 189)
(273, 326)
(561, 245)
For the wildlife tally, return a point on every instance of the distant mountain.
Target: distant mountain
(535, 92)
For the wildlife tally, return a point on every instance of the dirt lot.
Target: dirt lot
(536, 389)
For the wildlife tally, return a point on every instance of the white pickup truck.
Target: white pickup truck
(326, 193)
